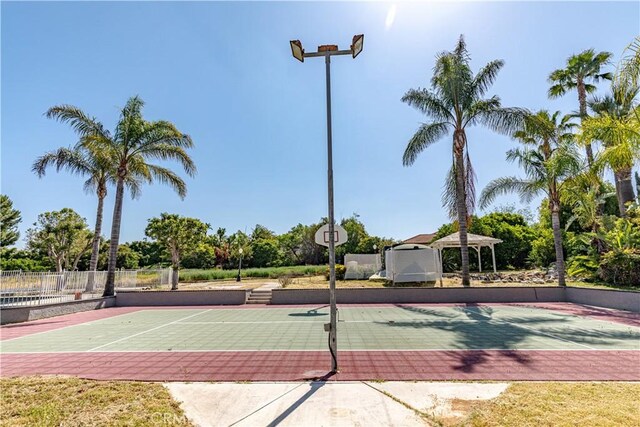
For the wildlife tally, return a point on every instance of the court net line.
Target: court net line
(149, 330)
(321, 321)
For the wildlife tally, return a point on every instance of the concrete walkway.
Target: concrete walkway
(324, 403)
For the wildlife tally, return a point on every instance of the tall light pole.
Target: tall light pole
(327, 51)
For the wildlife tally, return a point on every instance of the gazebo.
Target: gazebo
(474, 241)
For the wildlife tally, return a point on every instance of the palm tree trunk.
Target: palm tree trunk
(557, 240)
(624, 189)
(461, 205)
(582, 100)
(95, 250)
(109, 288)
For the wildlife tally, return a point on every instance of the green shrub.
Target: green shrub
(583, 267)
(543, 250)
(340, 270)
(621, 267)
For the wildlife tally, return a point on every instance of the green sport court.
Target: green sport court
(558, 341)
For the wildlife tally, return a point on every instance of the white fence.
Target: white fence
(18, 288)
(361, 266)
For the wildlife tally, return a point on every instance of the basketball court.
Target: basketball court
(555, 341)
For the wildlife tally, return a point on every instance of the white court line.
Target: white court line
(323, 319)
(409, 350)
(529, 328)
(90, 323)
(149, 330)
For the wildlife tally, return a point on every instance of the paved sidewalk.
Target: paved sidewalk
(324, 403)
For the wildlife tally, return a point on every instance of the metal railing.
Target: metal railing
(18, 288)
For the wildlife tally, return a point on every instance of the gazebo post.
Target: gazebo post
(441, 267)
(493, 256)
(479, 258)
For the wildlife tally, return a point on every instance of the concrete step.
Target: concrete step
(259, 296)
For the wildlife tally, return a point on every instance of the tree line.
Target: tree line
(550, 146)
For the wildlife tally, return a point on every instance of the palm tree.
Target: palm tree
(617, 126)
(133, 143)
(580, 69)
(628, 72)
(455, 102)
(548, 160)
(85, 162)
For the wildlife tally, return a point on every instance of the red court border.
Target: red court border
(538, 365)
(500, 365)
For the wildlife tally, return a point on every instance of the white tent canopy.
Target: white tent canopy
(474, 241)
(411, 263)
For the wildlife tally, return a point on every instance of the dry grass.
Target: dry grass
(539, 404)
(63, 401)
(317, 282)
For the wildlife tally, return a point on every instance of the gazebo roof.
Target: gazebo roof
(453, 240)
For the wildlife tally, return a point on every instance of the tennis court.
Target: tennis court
(387, 342)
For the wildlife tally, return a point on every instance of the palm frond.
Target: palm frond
(527, 190)
(449, 196)
(628, 70)
(470, 184)
(503, 120)
(428, 103)
(168, 177)
(77, 119)
(166, 151)
(485, 78)
(426, 135)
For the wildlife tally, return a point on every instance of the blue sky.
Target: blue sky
(223, 73)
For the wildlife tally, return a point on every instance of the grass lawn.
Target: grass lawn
(557, 404)
(55, 401)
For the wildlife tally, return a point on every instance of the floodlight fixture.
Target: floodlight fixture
(357, 44)
(296, 50)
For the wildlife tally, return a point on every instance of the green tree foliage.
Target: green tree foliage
(62, 235)
(512, 253)
(9, 220)
(454, 102)
(177, 235)
(25, 260)
(202, 256)
(266, 253)
(149, 253)
(127, 258)
(299, 246)
(542, 247)
(356, 235)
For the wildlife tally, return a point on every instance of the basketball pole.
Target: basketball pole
(333, 332)
(327, 51)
